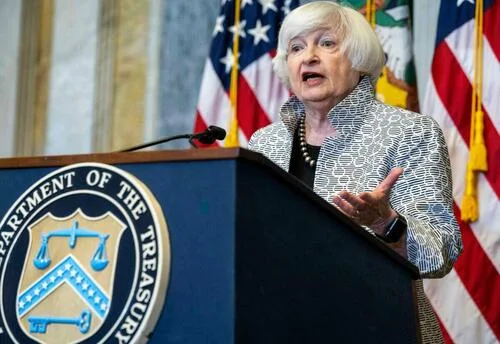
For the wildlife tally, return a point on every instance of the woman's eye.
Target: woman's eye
(294, 48)
(327, 43)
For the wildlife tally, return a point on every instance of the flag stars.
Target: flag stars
(60, 273)
(246, 2)
(460, 2)
(286, 7)
(73, 273)
(37, 291)
(28, 298)
(79, 279)
(85, 286)
(259, 33)
(228, 60)
(67, 266)
(21, 304)
(219, 25)
(91, 292)
(45, 285)
(268, 5)
(240, 28)
(104, 306)
(97, 299)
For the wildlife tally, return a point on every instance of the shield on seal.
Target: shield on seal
(66, 286)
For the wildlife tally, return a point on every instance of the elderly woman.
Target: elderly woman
(386, 168)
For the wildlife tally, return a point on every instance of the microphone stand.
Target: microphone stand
(163, 140)
(208, 136)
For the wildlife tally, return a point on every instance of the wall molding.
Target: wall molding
(33, 76)
(105, 67)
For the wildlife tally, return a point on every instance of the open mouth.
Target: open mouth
(310, 75)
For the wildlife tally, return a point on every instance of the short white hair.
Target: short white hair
(358, 41)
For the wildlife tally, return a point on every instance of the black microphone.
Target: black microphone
(209, 136)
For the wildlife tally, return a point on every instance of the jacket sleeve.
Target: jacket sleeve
(252, 143)
(423, 195)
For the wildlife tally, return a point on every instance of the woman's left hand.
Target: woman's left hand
(370, 209)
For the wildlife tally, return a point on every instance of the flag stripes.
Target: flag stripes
(213, 103)
(446, 335)
(259, 93)
(492, 27)
(458, 313)
(488, 233)
(467, 300)
(270, 98)
(486, 298)
(251, 116)
(455, 102)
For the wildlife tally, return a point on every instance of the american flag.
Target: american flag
(467, 300)
(259, 91)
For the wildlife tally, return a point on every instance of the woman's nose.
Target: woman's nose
(310, 55)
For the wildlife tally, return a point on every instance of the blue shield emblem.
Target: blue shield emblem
(66, 286)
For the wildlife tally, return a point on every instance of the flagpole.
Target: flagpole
(477, 149)
(370, 12)
(232, 137)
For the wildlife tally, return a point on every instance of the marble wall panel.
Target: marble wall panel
(186, 37)
(155, 24)
(425, 17)
(10, 20)
(72, 78)
(130, 74)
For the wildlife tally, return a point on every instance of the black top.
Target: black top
(298, 166)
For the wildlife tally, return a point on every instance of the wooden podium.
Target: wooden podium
(256, 256)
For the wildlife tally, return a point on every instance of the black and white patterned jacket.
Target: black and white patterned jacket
(372, 139)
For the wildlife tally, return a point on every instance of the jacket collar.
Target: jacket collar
(346, 117)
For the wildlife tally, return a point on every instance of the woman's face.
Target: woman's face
(319, 74)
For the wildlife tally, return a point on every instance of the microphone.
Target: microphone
(208, 136)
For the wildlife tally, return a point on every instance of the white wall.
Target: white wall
(425, 17)
(10, 24)
(72, 77)
(153, 69)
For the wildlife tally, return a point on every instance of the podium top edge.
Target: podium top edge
(128, 157)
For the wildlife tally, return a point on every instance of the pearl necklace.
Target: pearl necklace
(303, 143)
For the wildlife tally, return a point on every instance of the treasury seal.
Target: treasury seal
(84, 257)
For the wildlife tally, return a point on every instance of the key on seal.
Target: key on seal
(39, 324)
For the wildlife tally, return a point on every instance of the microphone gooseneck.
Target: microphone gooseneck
(208, 136)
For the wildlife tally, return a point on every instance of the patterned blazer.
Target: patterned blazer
(372, 139)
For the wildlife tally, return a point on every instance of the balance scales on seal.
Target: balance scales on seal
(42, 260)
(188, 246)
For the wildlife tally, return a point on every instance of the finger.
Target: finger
(346, 207)
(347, 196)
(377, 203)
(369, 197)
(390, 180)
(364, 216)
(354, 200)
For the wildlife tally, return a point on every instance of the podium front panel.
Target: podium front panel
(255, 257)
